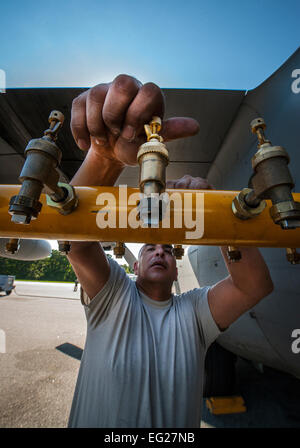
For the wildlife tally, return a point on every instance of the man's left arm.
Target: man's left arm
(249, 281)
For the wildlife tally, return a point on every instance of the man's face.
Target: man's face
(156, 263)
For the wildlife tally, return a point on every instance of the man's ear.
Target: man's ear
(136, 267)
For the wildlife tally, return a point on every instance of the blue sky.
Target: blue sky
(192, 44)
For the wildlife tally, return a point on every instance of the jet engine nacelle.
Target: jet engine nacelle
(29, 250)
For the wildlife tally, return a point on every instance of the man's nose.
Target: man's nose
(159, 250)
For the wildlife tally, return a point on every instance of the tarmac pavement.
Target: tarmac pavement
(38, 380)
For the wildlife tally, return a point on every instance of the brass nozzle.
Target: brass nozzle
(178, 251)
(119, 250)
(40, 172)
(56, 120)
(292, 255)
(233, 254)
(12, 246)
(271, 180)
(258, 126)
(153, 158)
(64, 247)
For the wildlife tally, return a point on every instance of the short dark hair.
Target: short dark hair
(152, 244)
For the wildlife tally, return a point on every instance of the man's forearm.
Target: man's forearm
(97, 169)
(250, 274)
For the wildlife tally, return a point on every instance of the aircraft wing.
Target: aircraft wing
(24, 115)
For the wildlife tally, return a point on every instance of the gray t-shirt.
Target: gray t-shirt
(143, 360)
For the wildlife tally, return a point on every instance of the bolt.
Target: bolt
(64, 247)
(258, 126)
(21, 219)
(292, 255)
(233, 254)
(119, 250)
(178, 251)
(12, 246)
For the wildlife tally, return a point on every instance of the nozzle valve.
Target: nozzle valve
(271, 180)
(39, 172)
(153, 158)
(119, 250)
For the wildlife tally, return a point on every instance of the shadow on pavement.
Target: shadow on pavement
(71, 350)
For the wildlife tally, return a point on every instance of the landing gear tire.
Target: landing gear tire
(220, 375)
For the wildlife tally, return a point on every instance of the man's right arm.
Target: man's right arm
(88, 259)
(108, 121)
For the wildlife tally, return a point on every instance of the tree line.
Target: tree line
(54, 268)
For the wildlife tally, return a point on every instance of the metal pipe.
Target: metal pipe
(251, 199)
(215, 225)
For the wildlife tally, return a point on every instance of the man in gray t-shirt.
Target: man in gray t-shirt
(143, 360)
(142, 365)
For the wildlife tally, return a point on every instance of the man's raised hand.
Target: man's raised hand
(191, 183)
(109, 118)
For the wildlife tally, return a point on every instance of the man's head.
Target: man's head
(156, 263)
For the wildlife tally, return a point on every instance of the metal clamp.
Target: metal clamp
(242, 210)
(68, 204)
